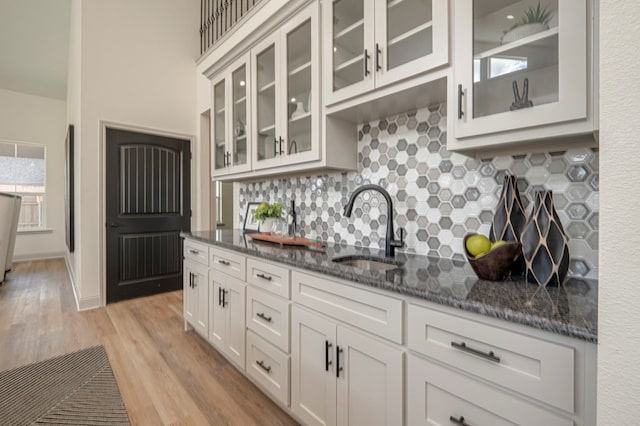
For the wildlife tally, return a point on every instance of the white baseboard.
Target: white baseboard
(82, 304)
(39, 256)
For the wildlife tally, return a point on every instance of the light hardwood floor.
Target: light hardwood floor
(166, 375)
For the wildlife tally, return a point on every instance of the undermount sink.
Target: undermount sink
(368, 263)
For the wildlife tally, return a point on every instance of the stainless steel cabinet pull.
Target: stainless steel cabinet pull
(327, 363)
(264, 277)
(458, 421)
(338, 368)
(263, 316)
(224, 262)
(266, 368)
(486, 355)
(460, 95)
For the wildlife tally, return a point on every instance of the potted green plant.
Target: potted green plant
(535, 19)
(267, 214)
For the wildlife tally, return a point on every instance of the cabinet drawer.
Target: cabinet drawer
(269, 277)
(230, 263)
(439, 396)
(373, 312)
(196, 252)
(269, 317)
(269, 367)
(533, 367)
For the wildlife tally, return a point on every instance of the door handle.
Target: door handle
(327, 363)
(190, 280)
(281, 142)
(460, 95)
(458, 421)
(275, 146)
(366, 62)
(266, 368)
(338, 368)
(219, 296)
(263, 316)
(462, 346)
(224, 298)
(378, 53)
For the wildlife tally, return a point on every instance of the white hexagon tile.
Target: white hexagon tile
(439, 196)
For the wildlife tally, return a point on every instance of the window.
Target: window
(22, 171)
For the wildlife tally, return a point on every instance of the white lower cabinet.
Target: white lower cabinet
(227, 316)
(343, 377)
(437, 395)
(268, 366)
(196, 293)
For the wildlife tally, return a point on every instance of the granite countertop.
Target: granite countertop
(570, 310)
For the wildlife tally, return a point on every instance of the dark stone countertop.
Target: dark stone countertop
(570, 310)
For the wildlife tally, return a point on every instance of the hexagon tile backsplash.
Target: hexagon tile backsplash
(439, 195)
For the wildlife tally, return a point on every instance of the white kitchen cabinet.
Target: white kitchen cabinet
(369, 44)
(516, 82)
(227, 316)
(440, 396)
(343, 377)
(195, 295)
(286, 92)
(231, 120)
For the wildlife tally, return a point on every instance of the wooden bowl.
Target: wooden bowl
(496, 264)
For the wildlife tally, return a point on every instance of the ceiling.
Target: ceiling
(34, 46)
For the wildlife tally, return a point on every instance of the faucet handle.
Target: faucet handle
(400, 242)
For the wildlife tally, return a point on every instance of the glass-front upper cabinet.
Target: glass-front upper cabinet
(372, 43)
(286, 87)
(219, 128)
(230, 124)
(519, 63)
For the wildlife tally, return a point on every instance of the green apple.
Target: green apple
(478, 245)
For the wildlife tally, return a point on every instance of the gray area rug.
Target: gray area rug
(78, 388)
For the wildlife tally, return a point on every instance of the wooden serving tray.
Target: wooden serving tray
(285, 240)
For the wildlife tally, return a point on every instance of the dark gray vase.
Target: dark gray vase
(509, 219)
(545, 244)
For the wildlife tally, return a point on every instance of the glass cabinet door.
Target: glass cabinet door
(267, 141)
(219, 133)
(239, 116)
(515, 56)
(298, 83)
(351, 29)
(409, 34)
(524, 58)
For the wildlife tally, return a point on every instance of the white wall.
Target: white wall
(137, 68)
(619, 286)
(29, 118)
(74, 115)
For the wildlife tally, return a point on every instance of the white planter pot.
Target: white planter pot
(523, 31)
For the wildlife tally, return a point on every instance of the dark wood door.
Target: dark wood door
(148, 205)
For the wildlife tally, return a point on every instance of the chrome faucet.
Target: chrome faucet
(390, 243)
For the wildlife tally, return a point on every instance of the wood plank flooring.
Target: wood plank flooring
(166, 375)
